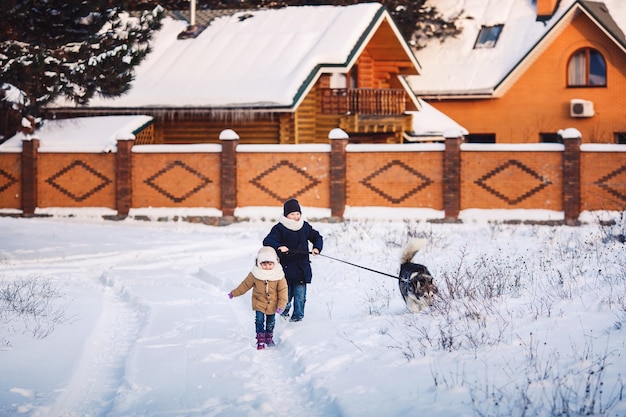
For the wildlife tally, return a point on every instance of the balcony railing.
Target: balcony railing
(364, 101)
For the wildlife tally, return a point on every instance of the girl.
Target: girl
(269, 294)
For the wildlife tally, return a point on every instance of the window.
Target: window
(550, 138)
(480, 138)
(488, 36)
(586, 68)
(620, 138)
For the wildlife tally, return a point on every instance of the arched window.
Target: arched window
(586, 68)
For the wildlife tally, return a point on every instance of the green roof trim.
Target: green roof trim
(143, 126)
(351, 55)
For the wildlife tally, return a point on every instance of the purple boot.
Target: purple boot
(260, 341)
(269, 341)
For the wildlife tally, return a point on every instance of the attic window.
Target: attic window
(488, 36)
(586, 68)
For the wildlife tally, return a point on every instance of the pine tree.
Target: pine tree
(68, 48)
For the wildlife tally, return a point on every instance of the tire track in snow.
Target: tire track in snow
(100, 370)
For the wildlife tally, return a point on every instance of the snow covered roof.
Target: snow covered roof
(429, 123)
(82, 134)
(251, 58)
(455, 67)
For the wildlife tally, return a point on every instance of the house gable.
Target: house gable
(384, 44)
(596, 12)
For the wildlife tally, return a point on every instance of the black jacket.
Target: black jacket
(296, 262)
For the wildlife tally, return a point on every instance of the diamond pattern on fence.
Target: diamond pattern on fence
(266, 181)
(6, 180)
(65, 181)
(190, 180)
(379, 181)
(612, 182)
(512, 168)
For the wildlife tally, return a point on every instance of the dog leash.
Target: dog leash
(350, 263)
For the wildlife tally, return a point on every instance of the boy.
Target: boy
(290, 237)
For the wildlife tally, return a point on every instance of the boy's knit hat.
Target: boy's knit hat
(290, 206)
(266, 254)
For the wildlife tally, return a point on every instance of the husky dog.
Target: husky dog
(416, 283)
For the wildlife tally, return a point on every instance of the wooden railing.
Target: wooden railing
(365, 101)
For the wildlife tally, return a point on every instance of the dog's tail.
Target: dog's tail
(411, 248)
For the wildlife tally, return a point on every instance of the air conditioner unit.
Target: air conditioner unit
(581, 108)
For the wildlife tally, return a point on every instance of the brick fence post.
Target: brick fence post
(30, 161)
(123, 177)
(228, 172)
(338, 142)
(452, 174)
(572, 140)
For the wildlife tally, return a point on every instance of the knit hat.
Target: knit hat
(290, 206)
(266, 254)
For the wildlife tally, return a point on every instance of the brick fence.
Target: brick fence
(449, 177)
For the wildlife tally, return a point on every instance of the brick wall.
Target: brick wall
(268, 179)
(76, 180)
(10, 180)
(176, 180)
(450, 177)
(394, 179)
(603, 180)
(507, 179)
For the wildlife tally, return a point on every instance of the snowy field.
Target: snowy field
(131, 318)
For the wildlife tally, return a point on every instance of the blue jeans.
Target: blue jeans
(264, 323)
(297, 293)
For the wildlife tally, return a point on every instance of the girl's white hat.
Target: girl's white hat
(266, 254)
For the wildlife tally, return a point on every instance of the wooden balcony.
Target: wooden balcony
(363, 101)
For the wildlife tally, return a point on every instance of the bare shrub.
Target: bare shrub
(377, 300)
(540, 388)
(613, 229)
(29, 306)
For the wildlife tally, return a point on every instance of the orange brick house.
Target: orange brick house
(286, 75)
(522, 70)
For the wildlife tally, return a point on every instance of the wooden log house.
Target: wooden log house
(280, 76)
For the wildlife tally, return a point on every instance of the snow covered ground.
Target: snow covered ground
(529, 322)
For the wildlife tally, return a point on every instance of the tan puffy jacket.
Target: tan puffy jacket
(266, 295)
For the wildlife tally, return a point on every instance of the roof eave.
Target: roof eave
(170, 109)
(452, 95)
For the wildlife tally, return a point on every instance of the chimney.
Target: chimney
(193, 30)
(545, 9)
